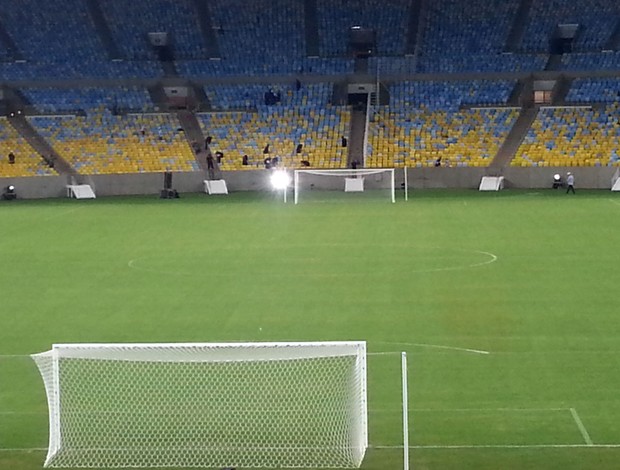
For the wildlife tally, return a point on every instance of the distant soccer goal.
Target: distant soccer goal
(361, 183)
(248, 405)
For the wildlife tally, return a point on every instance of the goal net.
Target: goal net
(361, 184)
(249, 405)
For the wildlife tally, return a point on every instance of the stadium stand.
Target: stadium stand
(318, 129)
(68, 100)
(438, 138)
(101, 143)
(575, 136)
(597, 19)
(389, 18)
(31, 24)
(590, 90)
(252, 96)
(232, 66)
(130, 22)
(591, 61)
(477, 27)
(27, 161)
(500, 62)
(255, 34)
(17, 71)
(470, 37)
(424, 125)
(301, 116)
(450, 95)
(89, 126)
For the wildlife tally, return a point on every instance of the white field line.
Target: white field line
(491, 259)
(421, 345)
(506, 446)
(45, 219)
(438, 447)
(582, 428)
(473, 410)
(434, 346)
(454, 348)
(382, 410)
(613, 201)
(63, 213)
(24, 449)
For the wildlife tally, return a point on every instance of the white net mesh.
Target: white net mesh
(344, 184)
(294, 406)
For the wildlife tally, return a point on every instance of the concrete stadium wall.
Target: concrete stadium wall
(258, 180)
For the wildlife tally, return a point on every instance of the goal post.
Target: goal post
(248, 405)
(345, 180)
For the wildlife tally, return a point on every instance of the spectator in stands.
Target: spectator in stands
(266, 149)
(343, 141)
(271, 98)
(51, 161)
(438, 162)
(297, 84)
(218, 156)
(267, 162)
(245, 161)
(208, 141)
(11, 158)
(210, 166)
(570, 182)
(305, 163)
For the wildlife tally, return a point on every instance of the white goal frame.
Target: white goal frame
(346, 173)
(52, 365)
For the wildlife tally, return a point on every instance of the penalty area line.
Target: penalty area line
(434, 346)
(582, 428)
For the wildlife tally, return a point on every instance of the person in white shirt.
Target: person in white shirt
(570, 182)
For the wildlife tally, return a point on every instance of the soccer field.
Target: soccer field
(505, 303)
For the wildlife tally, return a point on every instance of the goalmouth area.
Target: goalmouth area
(505, 303)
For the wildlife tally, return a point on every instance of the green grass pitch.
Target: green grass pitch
(506, 303)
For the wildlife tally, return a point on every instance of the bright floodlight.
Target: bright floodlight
(280, 179)
(11, 188)
(556, 177)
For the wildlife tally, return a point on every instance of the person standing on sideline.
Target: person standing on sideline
(570, 182)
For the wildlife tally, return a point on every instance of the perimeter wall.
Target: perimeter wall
(258, 180)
